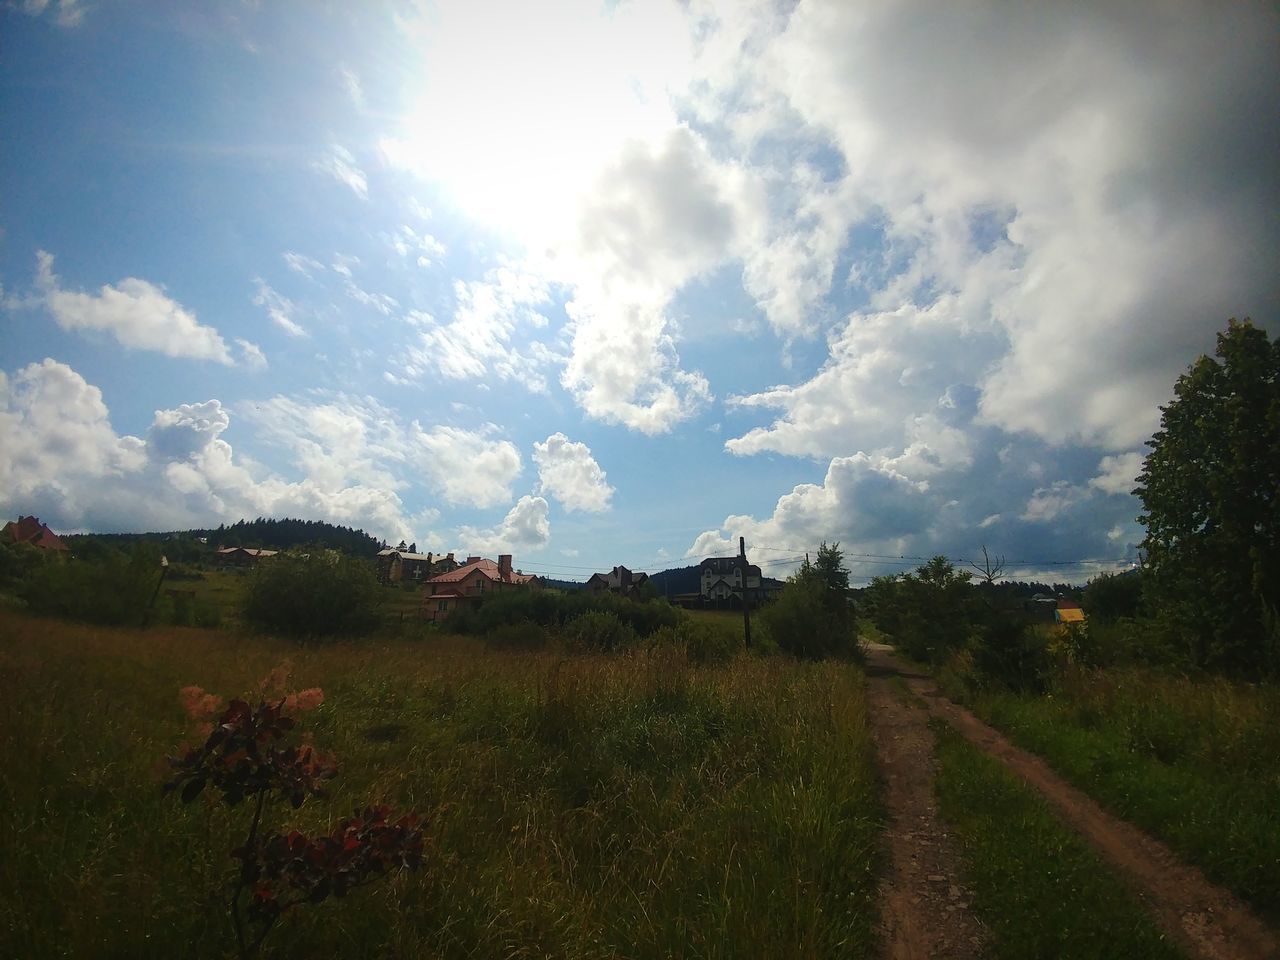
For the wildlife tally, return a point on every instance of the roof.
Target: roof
(1069, 615)
(251, 551)
(716, 565)
(31, 530)
(619, 578)
(406, 555)
(488, 568)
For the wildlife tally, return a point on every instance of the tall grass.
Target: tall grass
(578, 807)
(1194, 761)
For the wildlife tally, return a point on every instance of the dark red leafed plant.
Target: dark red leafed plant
(246, 756)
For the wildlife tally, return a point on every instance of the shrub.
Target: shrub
(312, 595)
(598, 630)
(709, 642)
(246, 758)
(116, 591)
(810, 621)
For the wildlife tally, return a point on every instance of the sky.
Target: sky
(620, 283)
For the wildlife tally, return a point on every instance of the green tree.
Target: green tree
(813, 618)
(1210, 490)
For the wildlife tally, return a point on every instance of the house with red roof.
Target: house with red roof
(473, 581)
(31, 530)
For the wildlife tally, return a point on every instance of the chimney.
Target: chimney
(472, 559)
(504, 566)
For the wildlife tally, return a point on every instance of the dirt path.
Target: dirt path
(924, 908)
(1205, 920)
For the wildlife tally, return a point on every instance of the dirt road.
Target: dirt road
(1205, 920)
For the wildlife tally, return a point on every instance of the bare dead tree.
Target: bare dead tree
(991, 566)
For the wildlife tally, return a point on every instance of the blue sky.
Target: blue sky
(619, 283)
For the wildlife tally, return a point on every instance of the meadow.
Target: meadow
(593, 806)
(1194, 761)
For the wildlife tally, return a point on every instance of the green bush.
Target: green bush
(708, 643)
(313, 594)
(553, 609)
(598, 630)
(810, 621)
(116, 591)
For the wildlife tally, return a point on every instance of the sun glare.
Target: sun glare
(515, 108)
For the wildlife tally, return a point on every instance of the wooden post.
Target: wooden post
(746, 609)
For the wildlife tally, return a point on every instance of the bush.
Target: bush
(708, 643)
(116, 591)
(810, 621)
(312, 595)
(552, 610)
(598, 631)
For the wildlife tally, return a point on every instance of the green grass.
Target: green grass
(1194, 762)
(577, 807)
(1041, 891)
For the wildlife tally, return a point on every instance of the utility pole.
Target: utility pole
(746, 609)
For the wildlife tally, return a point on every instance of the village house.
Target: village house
(397, 566)
(31, 530)
(242, 556)
(619, 580)
(470, 583)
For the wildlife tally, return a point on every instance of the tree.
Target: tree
(1210, 490)
(829, 568)
(813, 618)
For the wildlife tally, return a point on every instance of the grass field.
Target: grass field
(588, 807)
(1040, 889)
(1195, 762)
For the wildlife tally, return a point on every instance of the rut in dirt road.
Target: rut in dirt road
(1202, 918)
(924, 908)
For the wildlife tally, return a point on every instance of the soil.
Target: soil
(1205, 920)
(924, 904)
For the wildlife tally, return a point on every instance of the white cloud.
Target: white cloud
(423, 247)
(341, 165)
(568, 472)
(480, 339)
(301, 263)
(351, 83)
(465, 467)
(136, 313)
(1118, 474)
(279, 308)
(1048, 503)
(61, 458)
(525, 527)
(69, 12)
(252, 355)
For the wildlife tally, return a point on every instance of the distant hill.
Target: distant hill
(262, 532)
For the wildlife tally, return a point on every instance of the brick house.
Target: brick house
(31, 530)
(470, 583)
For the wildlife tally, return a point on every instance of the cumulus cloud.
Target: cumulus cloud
(568, 472)
(135, 312)
(339, 163)
(465, 467)
(61, 458)
(1118, 474)
(525, 527)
